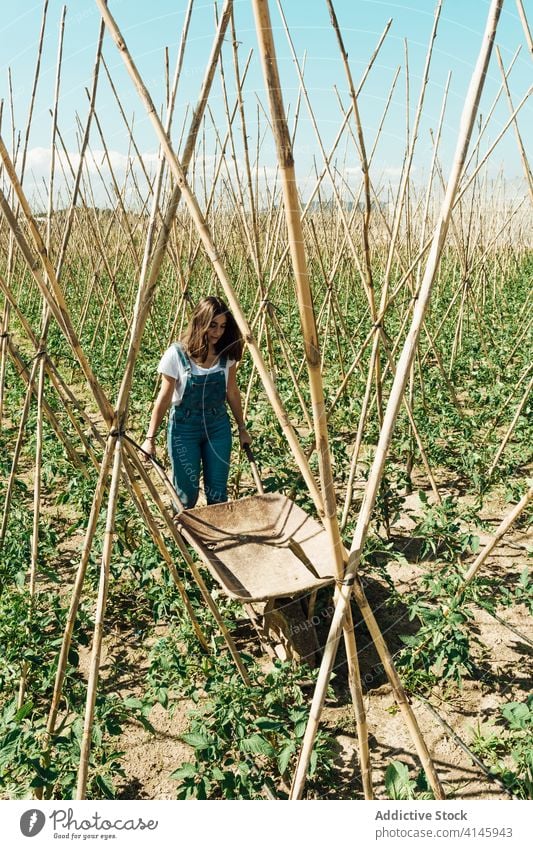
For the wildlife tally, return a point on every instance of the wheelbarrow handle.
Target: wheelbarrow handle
(255, 472)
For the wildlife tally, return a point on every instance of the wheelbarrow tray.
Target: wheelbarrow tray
(260, 547)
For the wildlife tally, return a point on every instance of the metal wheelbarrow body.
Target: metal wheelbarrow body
(260, 547)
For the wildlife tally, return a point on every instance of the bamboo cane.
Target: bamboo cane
(308, 206)
(364, 277)
(525, 26)
(18, 448)
(99, 619)
(4, 334)
(40, 381)
(35, 532)
(502, 529)
(250, 236)
(523, 156)
(498, 415)
(361, 149)
(270, 311)
(510, 429)
(358, 440)
(248, 170)
(90, 532)
(519, 339)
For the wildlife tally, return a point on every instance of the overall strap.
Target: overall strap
(184, 359)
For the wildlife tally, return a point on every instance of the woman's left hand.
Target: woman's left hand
(244, 438)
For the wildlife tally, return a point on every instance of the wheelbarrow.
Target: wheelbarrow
(267, 553)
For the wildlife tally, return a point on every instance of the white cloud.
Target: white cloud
(97, 169)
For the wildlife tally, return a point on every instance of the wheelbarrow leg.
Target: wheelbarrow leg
(255, 614)
(285, 629)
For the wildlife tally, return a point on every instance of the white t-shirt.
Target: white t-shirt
(171, 365)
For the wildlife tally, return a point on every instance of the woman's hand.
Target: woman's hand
(148, 447)
(244, 437)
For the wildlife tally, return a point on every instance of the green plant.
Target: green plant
(441, 648)
(23, 768)
(238, 753)
(391, 497)
(399, 785)
(439, 531)
(506, 747)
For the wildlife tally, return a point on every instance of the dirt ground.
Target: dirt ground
(448, 719)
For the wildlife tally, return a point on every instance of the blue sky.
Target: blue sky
(150, 27)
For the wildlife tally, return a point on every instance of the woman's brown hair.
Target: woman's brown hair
(195, 341)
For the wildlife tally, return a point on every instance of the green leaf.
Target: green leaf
(197, 741)
(24, 711)
(299, 728)
(397, 781)
(106, 786)
(7, 753)
(266, 724)
(524, 577)
(133, 703)
(162, 696)
(187, 770)
(518, 715)
(10, 712)
(284, 757)
(257, 745)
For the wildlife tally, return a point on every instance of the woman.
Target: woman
(197, 378)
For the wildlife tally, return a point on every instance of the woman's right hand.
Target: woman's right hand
(244, 437)
(148, 447)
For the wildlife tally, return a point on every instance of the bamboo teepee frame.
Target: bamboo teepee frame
(182, 178)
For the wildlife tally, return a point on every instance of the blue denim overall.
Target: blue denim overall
(199, 435)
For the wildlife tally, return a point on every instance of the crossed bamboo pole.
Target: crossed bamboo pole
(60, 312)
(312, 355)
(351, 581)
